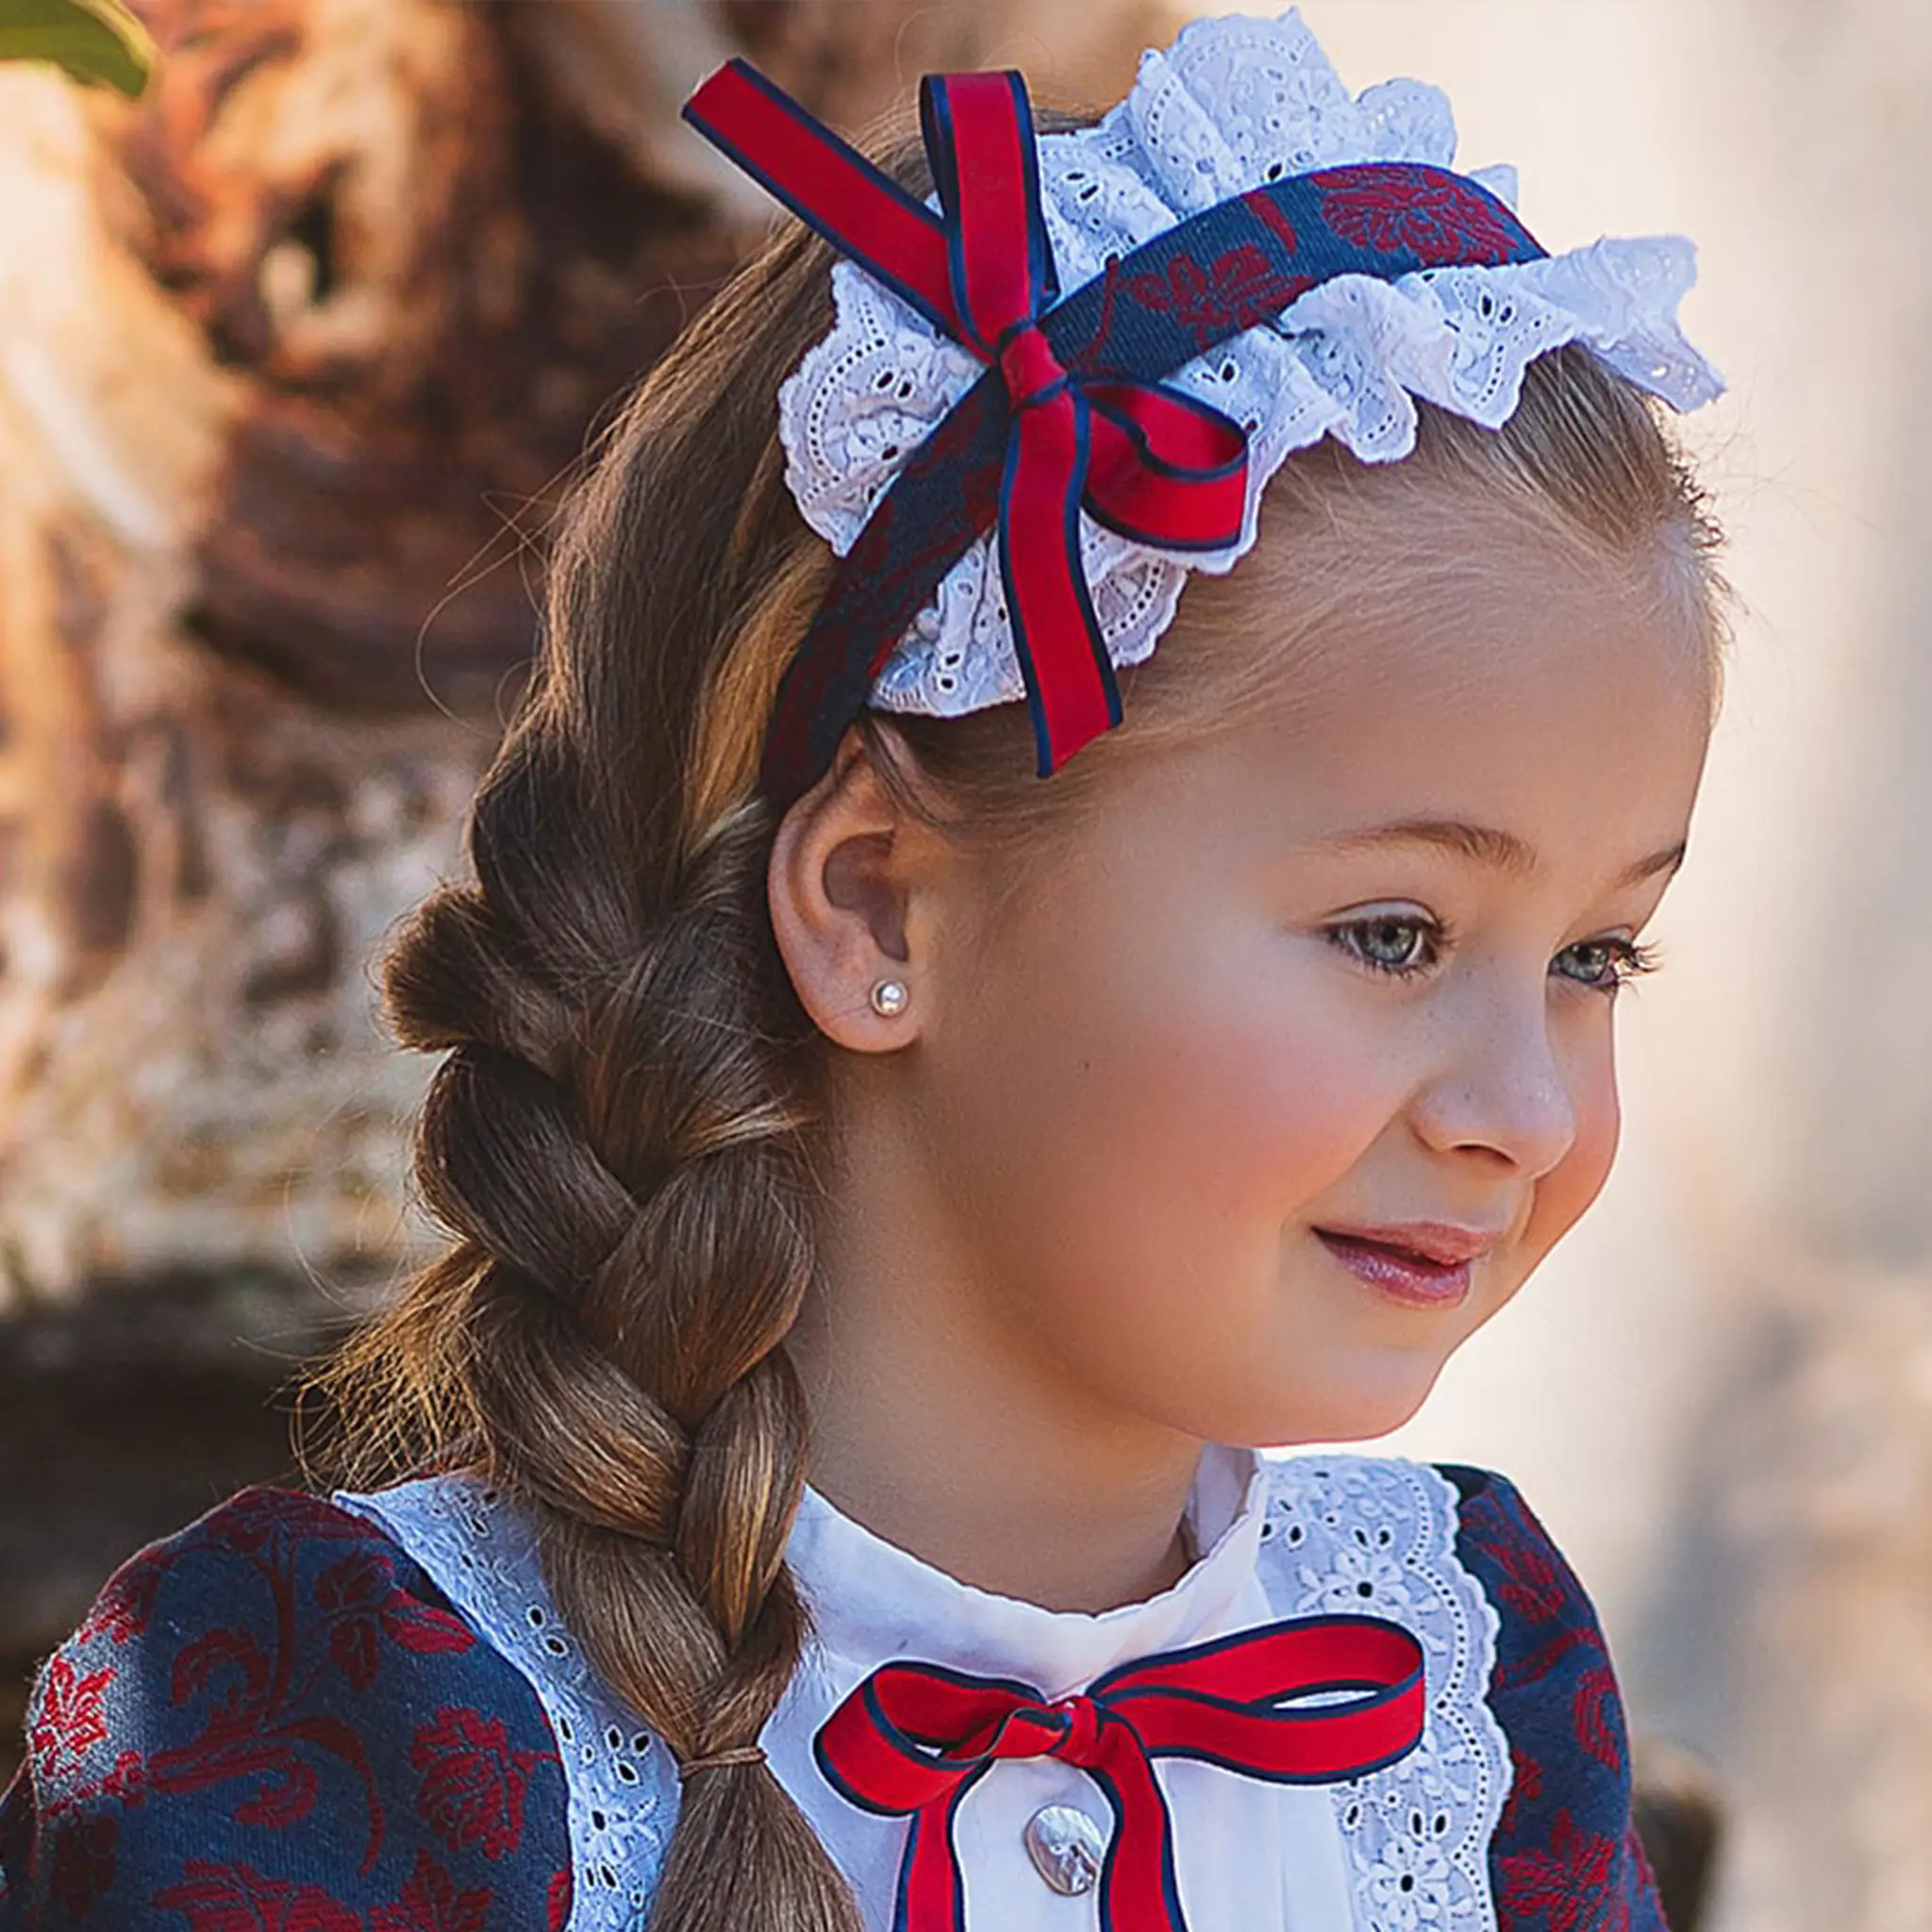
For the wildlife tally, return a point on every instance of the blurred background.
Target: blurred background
(296, 351)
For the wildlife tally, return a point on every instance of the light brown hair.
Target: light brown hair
(623, 1137)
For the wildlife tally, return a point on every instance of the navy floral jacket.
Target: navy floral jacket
(273, 1721)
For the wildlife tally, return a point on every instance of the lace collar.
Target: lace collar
(1404, 1850)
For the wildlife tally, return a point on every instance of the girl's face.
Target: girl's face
(1347, 970)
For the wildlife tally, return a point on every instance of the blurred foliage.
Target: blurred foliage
(96, 42)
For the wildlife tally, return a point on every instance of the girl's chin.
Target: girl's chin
(1375, 1398)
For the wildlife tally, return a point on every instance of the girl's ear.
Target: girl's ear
(840, 885)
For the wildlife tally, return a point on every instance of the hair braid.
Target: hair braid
(615, 1140)
(620, 1136)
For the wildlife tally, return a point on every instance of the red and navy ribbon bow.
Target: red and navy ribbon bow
(1071, 413)
(913, 1738)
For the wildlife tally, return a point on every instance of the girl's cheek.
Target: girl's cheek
(1272, 1107)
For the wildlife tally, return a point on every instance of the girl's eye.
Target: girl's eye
(1606, 965)
(1389, 944)
(1406, 947)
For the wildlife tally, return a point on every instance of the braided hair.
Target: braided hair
(620, 1137)
(625, 1136)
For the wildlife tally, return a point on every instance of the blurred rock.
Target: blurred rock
(1680, 1818)
(122, 1416)
(298, 353)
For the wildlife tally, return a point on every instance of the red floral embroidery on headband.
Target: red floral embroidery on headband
(1238, 291)
(1432, 215)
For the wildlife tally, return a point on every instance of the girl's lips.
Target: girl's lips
(1410, 1278)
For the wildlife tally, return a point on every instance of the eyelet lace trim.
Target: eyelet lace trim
(1372, 1536)
(1358, 1535)
(620, 1780)
(1231, 105)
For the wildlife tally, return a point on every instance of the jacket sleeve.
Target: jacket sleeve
(274, 1718)
(1566, 1855)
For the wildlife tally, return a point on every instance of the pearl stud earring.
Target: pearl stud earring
(889, 997)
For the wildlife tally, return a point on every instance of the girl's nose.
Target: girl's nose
(1501, 1087)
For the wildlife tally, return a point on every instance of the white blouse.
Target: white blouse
(1401, 1850)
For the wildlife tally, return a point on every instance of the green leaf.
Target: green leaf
(98, 41)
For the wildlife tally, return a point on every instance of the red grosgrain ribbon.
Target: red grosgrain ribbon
(913, 1738)
(1071, 412)
(1143, 459)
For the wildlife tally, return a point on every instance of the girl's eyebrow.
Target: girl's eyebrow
(1489, 845)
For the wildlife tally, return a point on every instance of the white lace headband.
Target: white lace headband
(1228, 101)
(1315, 249)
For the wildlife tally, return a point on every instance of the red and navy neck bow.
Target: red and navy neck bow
(1071, 414)
(913, 1738)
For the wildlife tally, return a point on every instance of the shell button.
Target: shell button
(1066, 1848)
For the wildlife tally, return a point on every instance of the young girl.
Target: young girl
(905, 1148)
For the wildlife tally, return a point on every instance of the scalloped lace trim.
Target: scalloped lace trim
(1376, 1536)
(1232, 104)
(623, 1787)
(1342, 1534)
